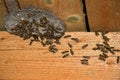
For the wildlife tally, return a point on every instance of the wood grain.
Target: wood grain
(103, 14)
(3, 12)
(69, 11)
(20, 61)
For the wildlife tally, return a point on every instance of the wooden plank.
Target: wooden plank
(68, 10)
(3, 12)
(20, 61)
(103, 14)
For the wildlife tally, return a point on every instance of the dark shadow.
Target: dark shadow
(86, 17)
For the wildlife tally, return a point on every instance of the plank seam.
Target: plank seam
(86, 16)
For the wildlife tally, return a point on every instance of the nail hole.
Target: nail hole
(49, 1)
(72, 19)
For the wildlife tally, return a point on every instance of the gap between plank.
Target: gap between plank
(86, 16)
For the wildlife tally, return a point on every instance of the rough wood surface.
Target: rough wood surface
(20, 61)
(103, 14)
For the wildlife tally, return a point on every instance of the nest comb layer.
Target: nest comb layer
(32, 21)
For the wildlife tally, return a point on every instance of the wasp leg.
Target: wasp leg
(35, 39)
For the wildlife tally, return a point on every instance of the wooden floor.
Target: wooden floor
(20, 61)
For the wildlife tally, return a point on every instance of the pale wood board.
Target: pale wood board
(21, 61)
(103, 15)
